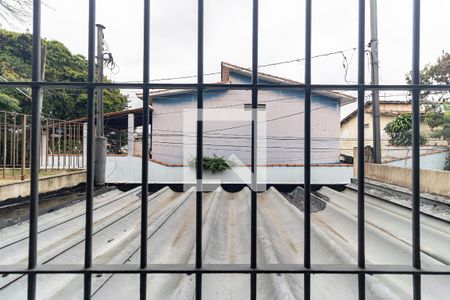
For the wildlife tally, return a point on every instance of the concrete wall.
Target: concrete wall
(431, 161)
(46, 184)
(127, 169)
(284, 114)
(431, 181)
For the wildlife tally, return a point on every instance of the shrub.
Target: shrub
(214, 163)
(447, 164)
(400, 131)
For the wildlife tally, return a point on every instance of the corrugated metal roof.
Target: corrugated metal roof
(226, 240)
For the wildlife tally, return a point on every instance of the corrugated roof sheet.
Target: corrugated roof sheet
(226, 240)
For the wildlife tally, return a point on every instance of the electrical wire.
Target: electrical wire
(259, 66)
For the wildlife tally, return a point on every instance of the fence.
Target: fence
(61, 145)
(416, 270)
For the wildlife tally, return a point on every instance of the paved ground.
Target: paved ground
(226, 239)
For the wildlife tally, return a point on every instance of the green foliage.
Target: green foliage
(447, 164)
(400, 131)
(8, 103)
(438, 118)
(437, 73)
(61, 65)
(214, 163)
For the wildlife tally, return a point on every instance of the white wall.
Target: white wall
(435, 161)
(127, 169)
(284, 112)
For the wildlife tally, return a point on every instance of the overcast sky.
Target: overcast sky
(228, 35)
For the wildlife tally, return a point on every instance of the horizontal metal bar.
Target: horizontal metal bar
(227, 268)
(194, 86)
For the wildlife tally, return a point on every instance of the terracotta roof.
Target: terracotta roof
(226, 67)
(344, 98)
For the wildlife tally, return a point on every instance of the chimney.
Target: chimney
(224, 72)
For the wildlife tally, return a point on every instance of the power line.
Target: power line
(259, 66)
(224, 106)
(270, 120)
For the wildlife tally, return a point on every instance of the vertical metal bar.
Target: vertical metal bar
(59, 144)
(2, 149)
(24, 146)
(145, 135)
(307, 147)
(64, 145)
(70, 146)
(35, 142)
(73, 146)
(82, 145)
(31, 147)
(5, 137)
(69, 149)
(199, 158)
(90, 153)
(46, 144)
(16, 142)
(16, 136)
(361, 80)
(78, 145)
(151, 130)
(253, 208)
(40, 148)
(416, 151)
(53, 144)
(13, 147)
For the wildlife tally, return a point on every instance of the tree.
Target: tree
(437, 73)
(62, 65)
(437, 117)
(400, 131)
(8, 103)
(19, 10)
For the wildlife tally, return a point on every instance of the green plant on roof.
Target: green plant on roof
(215, 164)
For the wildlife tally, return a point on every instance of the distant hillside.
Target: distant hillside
(62, 65)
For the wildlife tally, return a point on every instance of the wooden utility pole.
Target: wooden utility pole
(375, 80)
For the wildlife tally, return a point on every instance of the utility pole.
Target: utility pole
(100, 39)
(41, 97)
(43, 63)
(100, 140)
(375, 80)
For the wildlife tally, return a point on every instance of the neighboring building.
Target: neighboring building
(389, 110)
(284, 110)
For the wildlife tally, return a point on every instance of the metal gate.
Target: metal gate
(253, 269)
